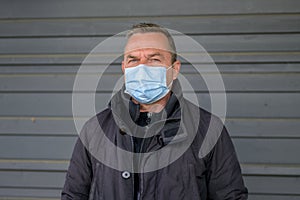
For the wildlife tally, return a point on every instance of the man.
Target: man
(149, 115)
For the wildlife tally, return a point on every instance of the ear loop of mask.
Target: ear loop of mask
(170, 85)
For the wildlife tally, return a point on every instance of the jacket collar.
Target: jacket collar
(166, 123)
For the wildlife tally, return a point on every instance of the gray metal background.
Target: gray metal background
(255, 44)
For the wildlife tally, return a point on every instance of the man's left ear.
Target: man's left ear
(123, 67)
(176, 69)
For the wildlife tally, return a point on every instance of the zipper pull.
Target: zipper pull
(149, 115)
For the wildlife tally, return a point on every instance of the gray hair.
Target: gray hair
(153, 28)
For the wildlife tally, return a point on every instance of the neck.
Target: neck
(155, 107)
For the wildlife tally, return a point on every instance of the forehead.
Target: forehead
(147, 41)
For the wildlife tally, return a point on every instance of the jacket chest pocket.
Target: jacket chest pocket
(181, 182)
(195, 181)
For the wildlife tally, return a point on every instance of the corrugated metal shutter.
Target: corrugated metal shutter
(255, 44)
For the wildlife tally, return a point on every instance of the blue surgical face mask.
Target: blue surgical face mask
(146, 84)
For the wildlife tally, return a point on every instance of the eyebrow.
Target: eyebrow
(156, 54)
(149, 56)
(131, 56)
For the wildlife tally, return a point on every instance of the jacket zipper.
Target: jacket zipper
(141, 176)
(133, 171)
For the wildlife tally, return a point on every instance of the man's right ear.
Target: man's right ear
(123, 67)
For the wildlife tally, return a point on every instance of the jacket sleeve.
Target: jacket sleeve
(79, 174)
(224, 174)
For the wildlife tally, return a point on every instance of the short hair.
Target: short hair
(154, 28)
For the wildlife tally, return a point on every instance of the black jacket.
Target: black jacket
(215, 176)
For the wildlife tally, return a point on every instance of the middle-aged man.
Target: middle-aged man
(148, 115)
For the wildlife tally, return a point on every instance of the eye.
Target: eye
(132, 60)
(155, 60)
